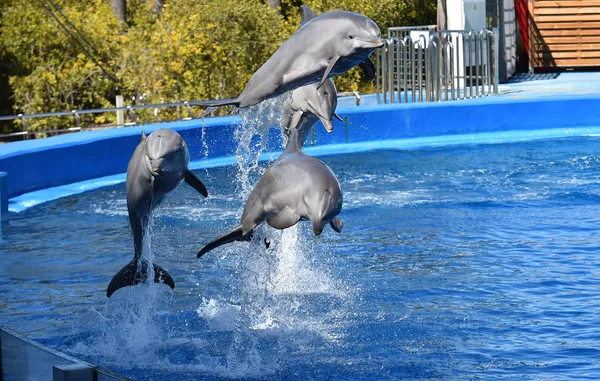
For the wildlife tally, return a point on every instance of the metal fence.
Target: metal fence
(183, 111)
(126, 116)
(431, 66)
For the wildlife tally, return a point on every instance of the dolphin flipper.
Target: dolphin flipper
(130, 276)
(328, 70)
(368, 69)
(195, 183)
(234, 235)
(336, 225)
(151, 195)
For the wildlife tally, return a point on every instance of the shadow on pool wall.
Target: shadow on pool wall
(44, 163)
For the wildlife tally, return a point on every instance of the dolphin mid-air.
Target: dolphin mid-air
(324, 46)
(296, 187)
(158, 165)
(307, 105)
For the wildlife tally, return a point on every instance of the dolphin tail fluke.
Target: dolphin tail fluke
(133, 274)
(222, 102)
(195, 183)
(236, 234)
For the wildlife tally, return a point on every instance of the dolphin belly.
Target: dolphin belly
(284, 219)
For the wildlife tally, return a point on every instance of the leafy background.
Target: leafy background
(187, 50)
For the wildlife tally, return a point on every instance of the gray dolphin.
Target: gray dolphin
(296, 187)
(307, 105)
(158, 165)
(367, 66)
(324, 46)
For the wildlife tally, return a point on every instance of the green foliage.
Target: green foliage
(196, 49)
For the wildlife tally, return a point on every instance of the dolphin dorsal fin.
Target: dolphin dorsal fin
(144, 135)
(307, 14)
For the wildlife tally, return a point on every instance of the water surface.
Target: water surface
(463, 262)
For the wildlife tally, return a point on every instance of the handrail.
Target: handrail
(130, 110)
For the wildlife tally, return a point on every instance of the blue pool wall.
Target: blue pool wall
(43, 163)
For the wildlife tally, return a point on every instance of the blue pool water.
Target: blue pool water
(456, 263)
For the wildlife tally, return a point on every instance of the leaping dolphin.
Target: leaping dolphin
(296, 187)
(324, 46)
(307, 105)
(158, 165)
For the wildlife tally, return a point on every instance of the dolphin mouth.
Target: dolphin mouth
(328, 124)
(372, 41)
(151, 168)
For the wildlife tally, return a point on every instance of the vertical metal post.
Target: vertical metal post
(120, 112)
(406, 67)
(391, 68)
(384, 71)
(412, 71)
(399, 65)
(427, 74)
(131, 115)
(470, 64)
(476, 65)
(482, 52)
(24, 125)
(438, 59)
(450, 73)
(459, 36)
(496, 59)
(377, 75)
(76, 118)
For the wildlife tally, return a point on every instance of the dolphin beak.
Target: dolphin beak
(328, 125)
(373, 41)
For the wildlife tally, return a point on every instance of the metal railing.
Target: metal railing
(183, 112)
(438, 66)
(402, 32)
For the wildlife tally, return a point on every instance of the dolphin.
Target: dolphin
(324, 46)
(307, 105)
(158, 165)
(297, 187)
(367, 66)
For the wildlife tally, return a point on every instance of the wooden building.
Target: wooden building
(560, 33)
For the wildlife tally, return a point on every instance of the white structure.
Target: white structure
(471, 15)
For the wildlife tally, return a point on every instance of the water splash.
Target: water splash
(272, 309)
(252, 138)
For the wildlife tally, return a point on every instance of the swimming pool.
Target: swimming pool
(470, 261)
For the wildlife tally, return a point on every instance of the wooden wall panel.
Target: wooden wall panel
(564, 33)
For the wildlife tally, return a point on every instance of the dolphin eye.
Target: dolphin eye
(351, 37)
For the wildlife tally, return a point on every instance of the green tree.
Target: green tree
(58, 55)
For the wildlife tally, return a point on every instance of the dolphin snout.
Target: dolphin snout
(373, 41)
(155, 166)
(378, 42)
(328, 124)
